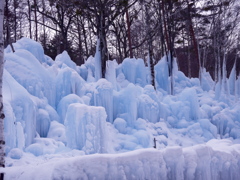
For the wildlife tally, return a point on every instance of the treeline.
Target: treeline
(200, 33)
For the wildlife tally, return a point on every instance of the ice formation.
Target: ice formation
(86, 128)
(56, 109)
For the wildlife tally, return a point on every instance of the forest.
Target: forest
(199, 33)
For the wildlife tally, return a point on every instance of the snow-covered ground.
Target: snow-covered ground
(64, 122)
(217, 159)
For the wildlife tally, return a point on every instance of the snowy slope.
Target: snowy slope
(56, 109)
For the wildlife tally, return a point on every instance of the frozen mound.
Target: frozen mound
(43, 146)
(57, 132)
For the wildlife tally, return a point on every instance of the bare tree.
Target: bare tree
(60, 13)
(2, 140)
(103, 13)
(129, 32)
(29, 18)
(150, 30)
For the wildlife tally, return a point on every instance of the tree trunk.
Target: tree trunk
(2, 141)
(15, 20)
(58, 41)
(80, 47)
(103, 44)
(119, 49)
(29, 19)
(192, 34)
(150, 47)
(44, 28)
(165, 26)
(85, 38)
(163, 45)
(7, 23)
(36, 21)
(171, 36)
(129, 34)
(189, 59)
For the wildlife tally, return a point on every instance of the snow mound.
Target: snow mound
(218, 159)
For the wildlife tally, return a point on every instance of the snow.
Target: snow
(57, 132)
(218, 159)
(64, 121)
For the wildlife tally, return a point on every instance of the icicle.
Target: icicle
(98, 65)
(149, 69)
(232, 80)
(224, 86)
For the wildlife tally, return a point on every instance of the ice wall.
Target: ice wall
(86, 128)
